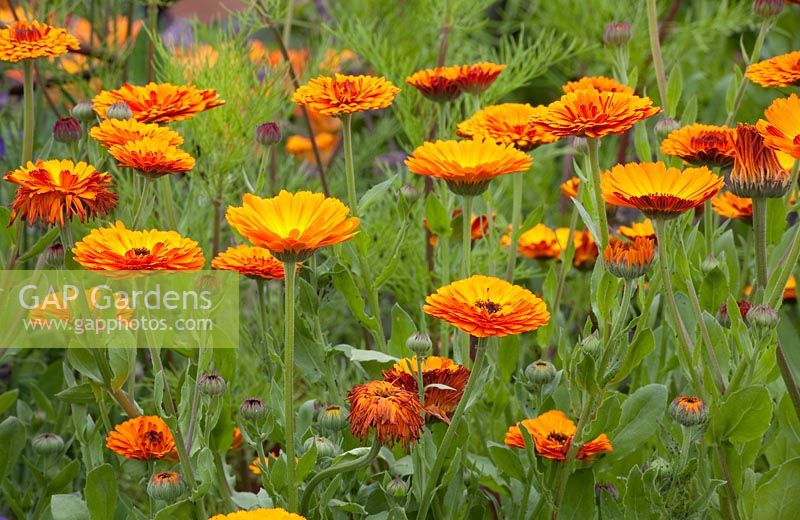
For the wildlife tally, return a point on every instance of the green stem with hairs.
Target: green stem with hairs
(349, 168)
(28, 114)
(760, 231)
(566, 261)
(708, 227)
(290, 270)
(466, 234)
(600, 205)
(655, 50)
(516, 221)
(169, 209)
(766, 25)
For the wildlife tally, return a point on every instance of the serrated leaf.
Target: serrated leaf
(101, 492)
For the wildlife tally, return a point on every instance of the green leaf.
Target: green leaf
(713, 290)
(7, 400)
(78, 394)
(40, 244)
(183, 510)
(361, 356)
(578, 502)
(374, 194)
(777, 498)
(641, 414)
(743, 416)
(306, 463)
(588, 221)
(636, 352)
(68, 507)
(101, 492)
(82, 360)
(674, 89)
(507, 461)
(402, 327)
(689, 115)
(776, 220)
(344, 283)
(64, 477)
(12, 442)
(122, 361)
(641, 143)
(437, 217)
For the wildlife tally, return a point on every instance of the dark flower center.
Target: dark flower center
(154, 436)
(27, 34)
(708, 141)
(558, 437)
(487, 305)
(140, 251)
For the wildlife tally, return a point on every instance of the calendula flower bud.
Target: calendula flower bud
(662, 469)
(540, 373)
(591, 345)
(397, 487)
(629, 260)
(419, 343)
(724, 317)
(665, 126)
(83, 111)
(167, 486)
(763, 317)
(617, 34)
(268, 134)
(409, 192)
(689, 410)
(708, 264)
(47, 444)
(253, 409)
(51, 258)
(768, 8)
(325, 448)
(332, 418)
(212, 384)
(67, 130)
(119, 110)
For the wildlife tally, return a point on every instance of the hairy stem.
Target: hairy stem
(655, 50)
(290, 268)
(516, 221)
(766, 25)
(600, 205)
(349, 168)
(760, 231)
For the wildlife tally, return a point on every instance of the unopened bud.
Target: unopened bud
(419, 343)
(591, 345)
(709, 264)
(47, 444)
(617, 34)
(268, 134)
(119, 110)
(67, 130)
(724, 317)
(409, 192)
(332, 419)
(51, 258)
(763, 317)
(768, 8)
(689, 410)
(325, 448)
(83, 111)
(253, 409)
(665, 126)
(662, 470)
(397, 487)
(167, 486)
(212, 384)
(540, 373)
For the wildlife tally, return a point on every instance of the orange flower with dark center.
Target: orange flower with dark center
(438, 371)
(252, 261)
(778, 71)
(629, 260)
(638, 229)
(781, 130)
(552, 433)
(293, 225)
(600, 83)
(586, 251)
(439, 84)
(300, 146)
(467, 166)
(730, 206)
(508, 123)
(756, 172)
(658, 191)
(701, 145)
(112, 132)
(152, 157)
(591, 113)
(158, 102)
(484, 306)
(539, 242)
(340, 94)
(393, 412)
(569, 188)
(28, 41)
(117, 248)
(142, 438)
(474, 79)
(53, 192)
(259, 514)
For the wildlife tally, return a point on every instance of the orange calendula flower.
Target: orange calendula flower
(756, 172)
(158, 102)
(600, 83)
(112, 132)
(439, 84)
(638, 229)
(701, 145)
(142, 438)
(260, 514)
(790, 290)
(117, 248)
(252, 261)
(448, 377)
(152, 157)
(778, 71)
(474, 79)
(569, 188)
(508, 123)
(484, 306)
(552, 433)
(591, 113)
(629, 260)
(341, 95)
(28, 41)
(539, 242)
(658, 191)
(781, 130)
(467, 166)
(238, 440)
(301, 147)
(730, 206)
(293, 225)
(392, 411)
(586, 251)
(53, 192)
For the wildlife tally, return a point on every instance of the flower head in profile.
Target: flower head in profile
(467, 166)
(53, 192)
(111, 132)
(439, 84)
(552, 433)
(778, 71)
(252, 261)
(341, 95)
(443, 379)
(142, 438)
(586, 251)
(484, 306)
(508, 123)
(756, 172)
(260, 514)
(31, 40)
(152, 157)
(658, 191)
(701, 145)
(393, 412)
(117, 248)
(539, 243)
(629, 260)
(591, 113)
(638, 229)
(158, 102)
(474, 79)
(569, 188)
(293, 225)
(600, 83)
(729, 205)
(781, 129)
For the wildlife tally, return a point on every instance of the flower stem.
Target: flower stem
(766, 25)
(708, 227)
(566, 261)
(420, 383)
(169, 210)
(516, 221)
(290, 270)
(594, 163)
(28, 119)
(760, 230)
(466, 234)
(447, 441)
(349, 168)
(138, 215)
(655, 50)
